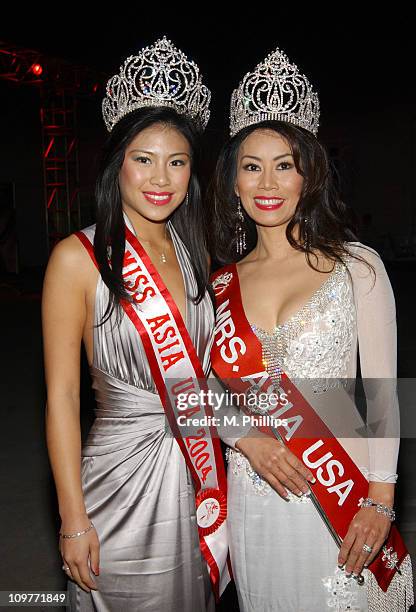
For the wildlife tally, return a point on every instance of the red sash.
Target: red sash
(237, 359)
(177, 371)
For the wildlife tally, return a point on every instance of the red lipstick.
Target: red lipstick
(159, 198)
(268, 203)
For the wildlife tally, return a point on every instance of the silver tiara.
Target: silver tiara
(160, 75)
(274, 90)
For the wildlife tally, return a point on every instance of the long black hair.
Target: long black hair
(324, 222)
(110, 226)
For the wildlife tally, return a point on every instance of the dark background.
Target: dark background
(363, 70)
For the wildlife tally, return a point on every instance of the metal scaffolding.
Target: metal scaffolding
(60, 163)
(60, 84)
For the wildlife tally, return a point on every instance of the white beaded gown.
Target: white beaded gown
(282, 554)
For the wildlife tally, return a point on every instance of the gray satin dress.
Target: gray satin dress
(136, 485)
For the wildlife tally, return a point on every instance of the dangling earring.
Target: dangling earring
(306, 232)
(186, 199)
(240, 232)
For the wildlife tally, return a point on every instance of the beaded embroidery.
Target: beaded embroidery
(315, 343)
(342, 592)
(239, 464)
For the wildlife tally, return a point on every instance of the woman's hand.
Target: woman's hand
(77, 552)
(276, 464)
(367, 527)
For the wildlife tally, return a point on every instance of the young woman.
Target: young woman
(296, 298)
(133, 288)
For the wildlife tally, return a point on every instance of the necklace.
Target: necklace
(162, 256)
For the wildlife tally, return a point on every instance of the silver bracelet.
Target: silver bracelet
(78, 533)
(389, 512)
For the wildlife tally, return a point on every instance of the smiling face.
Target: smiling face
(155, 174)
(267, 180)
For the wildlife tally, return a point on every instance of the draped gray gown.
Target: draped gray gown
(136, 485)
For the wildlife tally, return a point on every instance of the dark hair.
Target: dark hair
(324, 221)
(109, 214)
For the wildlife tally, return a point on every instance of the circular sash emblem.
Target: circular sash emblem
(211, 510)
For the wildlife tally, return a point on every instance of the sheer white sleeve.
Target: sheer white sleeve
(377, 346)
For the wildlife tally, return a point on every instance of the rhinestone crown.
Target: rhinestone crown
(160, 75)
(274, 90)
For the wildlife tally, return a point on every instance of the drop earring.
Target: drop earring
(240, 232)
(306, 231)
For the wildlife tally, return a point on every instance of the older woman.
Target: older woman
(296, 298)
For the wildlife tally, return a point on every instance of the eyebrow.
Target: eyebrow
(152, 153)
(274, 158)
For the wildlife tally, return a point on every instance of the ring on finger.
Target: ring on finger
(367, 548)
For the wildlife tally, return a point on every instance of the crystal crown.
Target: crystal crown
(274, 90)
(160, 75)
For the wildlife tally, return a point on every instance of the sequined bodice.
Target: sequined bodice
(317, 341)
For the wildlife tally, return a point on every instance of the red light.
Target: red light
(95, 87)
(36, 69)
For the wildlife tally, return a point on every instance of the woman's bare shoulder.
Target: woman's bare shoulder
(70, 259)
